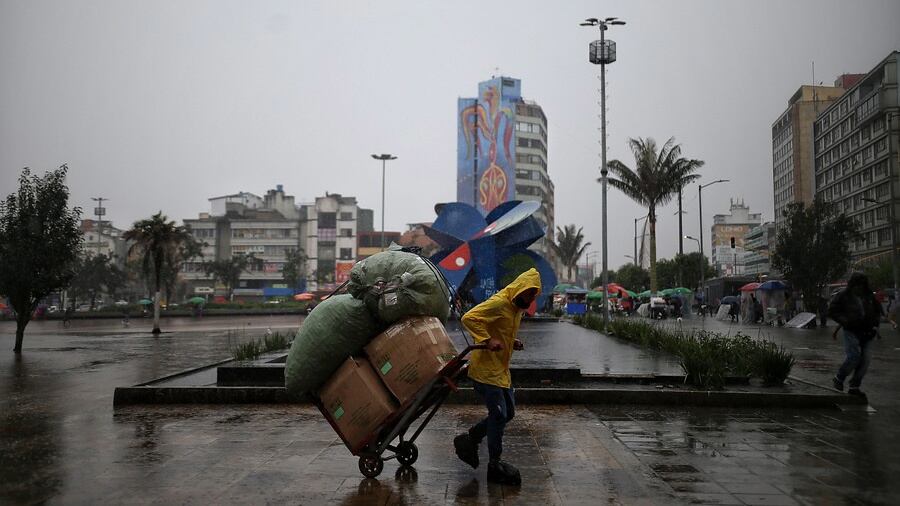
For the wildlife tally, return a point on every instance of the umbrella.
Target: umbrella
(304, 296)
(595, 295)
(145, 302)
(645, 293)
(3, 306)
(749, 287)
(667, 291)
(681, 291)
(773, 285)
(562, 287)
(731, 299)
(614, 287)
(631, 294)
(197, 300)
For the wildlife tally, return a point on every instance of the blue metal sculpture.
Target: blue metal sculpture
(480, 255)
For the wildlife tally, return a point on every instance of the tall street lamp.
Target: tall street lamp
(384, 158)
(602, 52)
(702, 266)
(700, 199)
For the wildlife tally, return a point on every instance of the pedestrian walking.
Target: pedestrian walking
(495, 322)
(858, 313)
(788, 307)
(822, 311)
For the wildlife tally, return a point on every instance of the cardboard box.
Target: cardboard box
(357, 401)
(410, 353)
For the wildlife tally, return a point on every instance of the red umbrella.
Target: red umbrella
(750, 287)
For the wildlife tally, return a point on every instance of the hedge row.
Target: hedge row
(707, 358)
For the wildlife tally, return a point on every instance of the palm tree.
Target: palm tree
(569, 246)
(157, 242)
(658, 175)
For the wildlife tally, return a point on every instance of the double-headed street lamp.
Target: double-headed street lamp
(700, 199)
(602, 52)
(384, 158)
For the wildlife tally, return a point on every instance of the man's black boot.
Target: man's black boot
(503, 473)
(466, 449)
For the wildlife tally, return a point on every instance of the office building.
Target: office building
(728, 233)
(792, 146)
(856, 166)
(502, 154)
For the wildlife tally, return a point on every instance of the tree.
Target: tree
(813, 248)
(39, 243)
(658, 175)
(570, 247)
(683, 270)
(95, 274)
(294, 267)
(879, 272)
(633, 277)
(228, 270)
(188, 249)
(156, 242)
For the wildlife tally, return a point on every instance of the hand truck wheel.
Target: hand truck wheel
(407, 453)
(370, 466)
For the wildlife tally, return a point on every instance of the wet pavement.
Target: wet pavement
(62, 443)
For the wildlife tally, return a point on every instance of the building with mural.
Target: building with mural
(728, 234)
(502, 154)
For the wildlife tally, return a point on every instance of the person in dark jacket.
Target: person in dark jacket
(858, 313)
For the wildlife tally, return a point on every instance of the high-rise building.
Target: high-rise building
(728, 233)
(502, 153)
(792, 147)
(857, 141)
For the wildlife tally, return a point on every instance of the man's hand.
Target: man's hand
(494, 344)
(518, 345)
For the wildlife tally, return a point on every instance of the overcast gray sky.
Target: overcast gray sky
(161, 105)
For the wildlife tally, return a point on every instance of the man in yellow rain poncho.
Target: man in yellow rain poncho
(495, 323)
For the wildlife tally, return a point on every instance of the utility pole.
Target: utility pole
(99, 212)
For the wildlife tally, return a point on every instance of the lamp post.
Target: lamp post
(702, 266)
(384, 158)
(700, 202)
(603, 52)
(590, 266)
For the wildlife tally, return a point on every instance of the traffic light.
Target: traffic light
(732, 243)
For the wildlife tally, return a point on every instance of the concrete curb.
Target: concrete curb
(125, 396)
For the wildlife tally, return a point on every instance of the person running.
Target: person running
(495, 322)
(857, 312)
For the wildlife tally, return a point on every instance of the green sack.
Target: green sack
(396, 285)
(336, 329)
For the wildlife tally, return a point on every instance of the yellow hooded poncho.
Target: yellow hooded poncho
(497, 317)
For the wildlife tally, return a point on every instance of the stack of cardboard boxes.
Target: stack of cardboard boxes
(399, 362)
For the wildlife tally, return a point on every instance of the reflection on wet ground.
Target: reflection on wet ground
(61, 441)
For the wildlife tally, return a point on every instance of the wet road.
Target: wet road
(62, 443)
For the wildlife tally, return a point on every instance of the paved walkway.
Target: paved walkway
(62, 443)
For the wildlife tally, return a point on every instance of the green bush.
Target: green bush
(773, 364)
(706, 358)
(252, 350)
(558, 312)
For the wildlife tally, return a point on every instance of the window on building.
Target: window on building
(327, 220)
(346, 253)
(346, 232)
(345, 216)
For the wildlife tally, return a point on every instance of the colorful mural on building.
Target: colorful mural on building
(486, 151)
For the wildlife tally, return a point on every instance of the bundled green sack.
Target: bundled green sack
(396, 285)
(336, 329)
